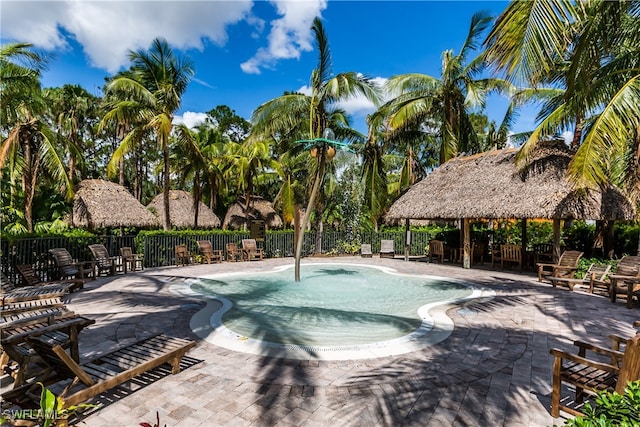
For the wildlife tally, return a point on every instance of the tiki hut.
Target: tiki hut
(490, 186)
(181, 210)
(259, 209)
(104, 204)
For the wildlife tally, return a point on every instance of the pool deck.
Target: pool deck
(494, 369)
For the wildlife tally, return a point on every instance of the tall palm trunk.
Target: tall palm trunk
(166, 220)
(307, 214)
(31, 159)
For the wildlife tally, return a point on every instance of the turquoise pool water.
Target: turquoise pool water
(333, 305)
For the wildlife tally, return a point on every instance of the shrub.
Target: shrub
(611, 409)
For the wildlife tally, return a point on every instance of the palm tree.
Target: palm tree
(294, 111)
(589, 52)
(74, 113)
(443, 104)
(153, 92)
(30, 144)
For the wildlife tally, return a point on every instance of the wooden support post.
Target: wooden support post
(523, 249)
(407, 241)
(556, 239)
(466, 230)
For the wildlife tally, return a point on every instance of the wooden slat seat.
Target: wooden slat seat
(31, 278)
(625, 281)
(131, 259)
(67, 267)
(387, 249)
(108, 371)
(365, 250)
(511, 254)
(9, 308)
(566, 267)
(251, 250)
(589, 375)
(593, 277)
(233, 252)
(104, 262)
(208, 253)
(436, 250)
(183, 257)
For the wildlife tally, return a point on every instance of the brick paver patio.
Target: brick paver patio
(494, 369)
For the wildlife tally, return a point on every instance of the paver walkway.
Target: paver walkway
(494, 370)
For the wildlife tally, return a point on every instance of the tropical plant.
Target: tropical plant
(443, 105)
(316, 111)
(30, 145)
(589, 53)
(152, 90)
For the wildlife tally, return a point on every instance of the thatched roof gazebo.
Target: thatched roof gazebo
(104, 204)
(490, 186)
(259, 209)
(182, 212)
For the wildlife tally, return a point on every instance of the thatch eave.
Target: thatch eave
(182, 212)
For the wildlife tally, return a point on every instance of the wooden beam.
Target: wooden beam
(556, 239)
(466, 251)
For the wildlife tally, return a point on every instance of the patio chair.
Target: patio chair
(131, 259)
(595, 276)
(103, 373)
(9, 294)
(543, 253)
(365, 250)
(477, 252)
(104, 262)
(233, 252)
(387, 249)
(436, 250)
(590, 376)
(511, 254)
(251, 250)
(62, 330)
(31, 278)
(183, 257)
(566, 267)
(208, 253)
(68, 267)
(625, 282)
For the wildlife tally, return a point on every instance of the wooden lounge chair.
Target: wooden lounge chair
(208, 253)
(63, 330)
(131, 259)
(511, 254)
(183, 257)
(104, 262)
(105, 372)
(566, 267)
(365, 250)
(31, 278)
(16, 304)
(233, 252)
(67, 267)
(589, 376)
(625, 282)
(436, 250)
(251, 250)
(387, 249)
(595, 276)
(19, 299)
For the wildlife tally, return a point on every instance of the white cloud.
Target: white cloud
(567, 136)
(290, 35)
(357, 106)
(107, 30)
(190, 119)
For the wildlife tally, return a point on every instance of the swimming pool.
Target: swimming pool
(337, 311)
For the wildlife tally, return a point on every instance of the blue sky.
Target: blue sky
(245, 52)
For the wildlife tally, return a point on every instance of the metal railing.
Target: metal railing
(159, 250)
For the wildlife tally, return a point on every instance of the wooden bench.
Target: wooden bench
(103, 373)
(387, 249)
(590, 376)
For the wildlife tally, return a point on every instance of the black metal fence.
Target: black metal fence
(159, 250)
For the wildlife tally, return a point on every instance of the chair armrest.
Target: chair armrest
(600, 350)
(563, 355)
(636, 324)
(543, 264)
(615, 277)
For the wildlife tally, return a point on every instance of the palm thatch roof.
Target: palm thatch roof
(259, 208)
(182, 212)
(104, 204)
(488, 185)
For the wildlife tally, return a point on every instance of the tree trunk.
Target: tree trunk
(31, 159)
(196, 199)
(319, 231)
(166, 218)
(307, 213)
